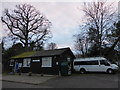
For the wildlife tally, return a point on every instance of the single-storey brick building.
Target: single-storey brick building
(45, 61)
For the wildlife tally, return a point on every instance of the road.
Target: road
(74, 81)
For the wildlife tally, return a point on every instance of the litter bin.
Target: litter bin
(65, 70)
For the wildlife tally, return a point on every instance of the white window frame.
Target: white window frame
(26, 62)
(20, 65)
(11, 61)
(46, 62)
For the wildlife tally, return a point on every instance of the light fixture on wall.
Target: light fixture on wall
(56, 63)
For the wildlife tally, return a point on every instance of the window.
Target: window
(11, 62)
(80, 63)
(87, 63)
(92, 63)
(26, 62)
(103, 62)
(20, 64)
(47, 62)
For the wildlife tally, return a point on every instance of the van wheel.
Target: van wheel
(82, 71)
(110, 71)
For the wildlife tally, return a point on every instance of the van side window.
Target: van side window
(86, 63)
(94, 63)
(103, 62)
(76, 63)
(80, 63)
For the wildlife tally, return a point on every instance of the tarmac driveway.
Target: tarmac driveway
(92, 80)
(84, 81)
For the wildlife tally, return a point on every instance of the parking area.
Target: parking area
(89, 80)
(24, 78)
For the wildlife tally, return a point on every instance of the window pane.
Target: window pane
(77, 63)
(86, 63)
(11, 62)
(47, 62)
(26, 62)
(102, 62)
(94, 62)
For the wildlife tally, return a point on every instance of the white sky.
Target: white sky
(65, 17)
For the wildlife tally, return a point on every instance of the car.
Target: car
(94, 64)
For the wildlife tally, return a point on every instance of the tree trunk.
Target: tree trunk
(26, 45)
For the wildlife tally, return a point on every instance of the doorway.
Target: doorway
(36, 66)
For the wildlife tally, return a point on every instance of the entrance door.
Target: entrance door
(36, 66)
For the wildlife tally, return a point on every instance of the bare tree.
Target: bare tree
(115, 36)
(27, 25)
(99, 17)
(52, 46)
(81, 44)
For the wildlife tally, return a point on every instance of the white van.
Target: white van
(94, 64)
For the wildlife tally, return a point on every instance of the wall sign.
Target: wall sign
(35, 60)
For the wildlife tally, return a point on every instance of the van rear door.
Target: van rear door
(76, 66)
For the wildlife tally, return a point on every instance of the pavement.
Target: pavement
(24, 78)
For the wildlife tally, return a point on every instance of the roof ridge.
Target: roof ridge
(55, 49)
(42, 53)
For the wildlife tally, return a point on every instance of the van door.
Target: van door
(103, 65)
(93, 66)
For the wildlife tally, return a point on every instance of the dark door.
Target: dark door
(65, 68)
(36, 66)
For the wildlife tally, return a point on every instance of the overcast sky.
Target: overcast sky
(65, 18)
